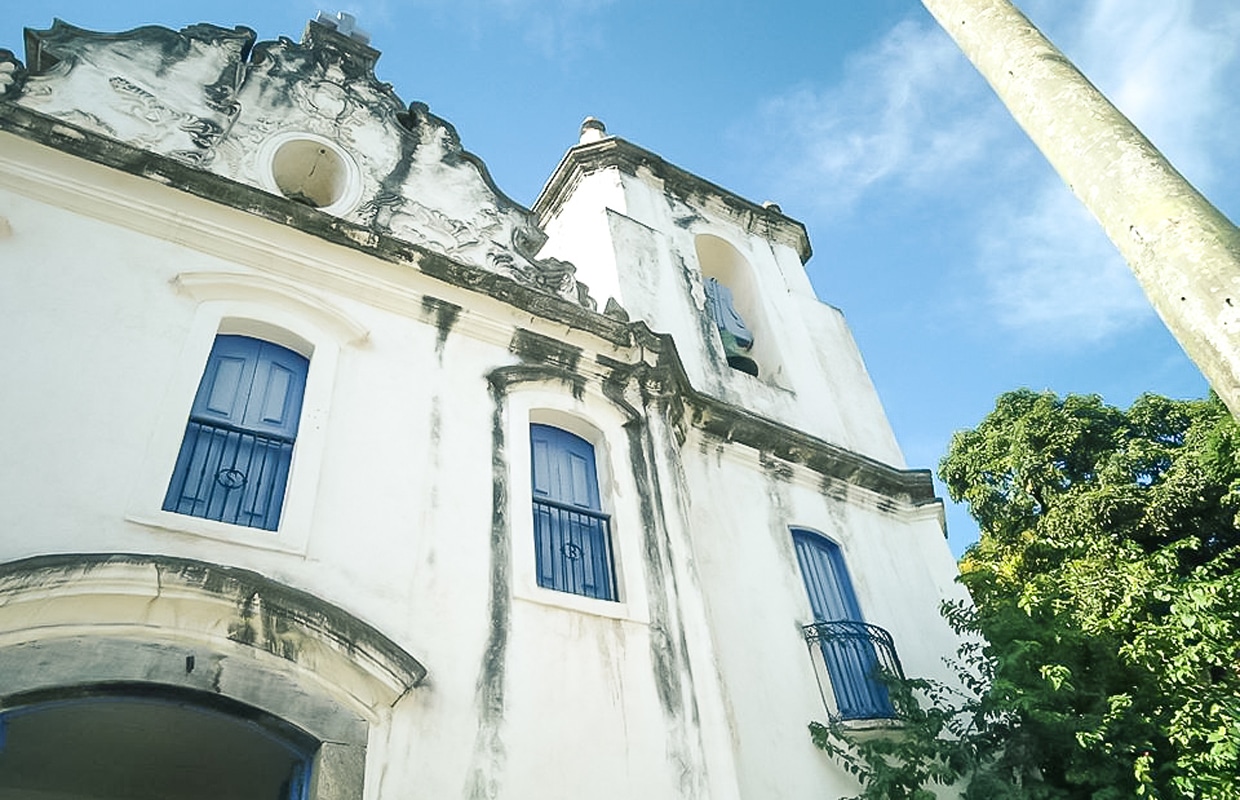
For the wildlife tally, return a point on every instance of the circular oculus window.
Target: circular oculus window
(311, 170)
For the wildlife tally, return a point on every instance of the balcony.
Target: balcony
(573, 547)
(848, 658)
(230, 474)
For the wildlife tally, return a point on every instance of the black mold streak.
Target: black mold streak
(657, 496)
(504, 377)
(684, 504)
(436, 425)
(489, 753)
(662, 650)
(552, 355)
(534, 348)
(775, 468)
(706, 326)
(777, 475)
(668, 647)
(445, 315)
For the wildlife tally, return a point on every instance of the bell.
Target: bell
(737, 353)
(736, 337)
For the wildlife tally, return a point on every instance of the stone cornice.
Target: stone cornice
(100, 149)
(614, 152)
(715, 417)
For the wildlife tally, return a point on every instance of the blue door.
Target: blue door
(234, 460)
(571, 534)
(844, 639)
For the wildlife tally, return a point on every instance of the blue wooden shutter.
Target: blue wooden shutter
(830, 591)
(848, 652)
(238, 445)
(571, 534)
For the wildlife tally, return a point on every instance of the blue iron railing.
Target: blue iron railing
(230, 474)
(573, 547)
(853, 655)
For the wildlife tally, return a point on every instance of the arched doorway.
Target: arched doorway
(154, 666)
(146, 742)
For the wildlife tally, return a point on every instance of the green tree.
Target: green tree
(1106, 588)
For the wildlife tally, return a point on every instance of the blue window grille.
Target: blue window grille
(572, 536)
(234, 460)
(853, 652)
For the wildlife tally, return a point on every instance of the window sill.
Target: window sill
(609, 609)
(167, 521)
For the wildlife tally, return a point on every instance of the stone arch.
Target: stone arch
(178, 625)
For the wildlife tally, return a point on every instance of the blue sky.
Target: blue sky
(963, 265)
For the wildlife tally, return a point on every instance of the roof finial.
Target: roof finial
(592, 130)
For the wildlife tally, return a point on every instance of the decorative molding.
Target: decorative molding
(216, 100)
(162, 598)
(243, 286)
(766, 221)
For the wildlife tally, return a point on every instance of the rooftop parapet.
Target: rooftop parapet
(308, 122)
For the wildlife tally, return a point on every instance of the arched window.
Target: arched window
(847, 643)
(572, 535)
(238, 445)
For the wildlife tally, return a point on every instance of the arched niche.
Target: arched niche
(718, 259)
(161, 625)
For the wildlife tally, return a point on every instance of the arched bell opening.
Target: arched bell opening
(733, 303)
(148, 742)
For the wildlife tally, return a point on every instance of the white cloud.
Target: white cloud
(1169, 65)
(910, 116)
(906, 113)
(1050, 274)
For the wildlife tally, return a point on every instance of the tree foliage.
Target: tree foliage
(1106, 589)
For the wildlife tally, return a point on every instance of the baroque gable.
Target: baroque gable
(308, 121)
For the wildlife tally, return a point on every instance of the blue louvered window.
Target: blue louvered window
(238, 446)
(572, 535)
(854, 653)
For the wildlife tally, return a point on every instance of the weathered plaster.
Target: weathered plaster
(487, 763)
(214, 98)
(278, 619)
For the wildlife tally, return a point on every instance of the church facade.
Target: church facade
(333, 472)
